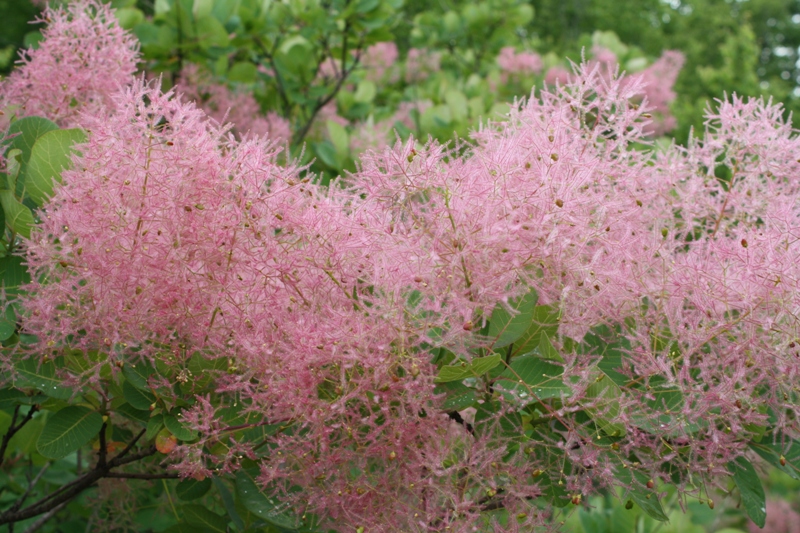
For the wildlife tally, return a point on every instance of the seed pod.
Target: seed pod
(560, 202)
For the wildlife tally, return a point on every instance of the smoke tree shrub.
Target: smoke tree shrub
(461, 338)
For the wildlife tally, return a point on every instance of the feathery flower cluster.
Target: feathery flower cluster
(519, 63)
(238, 108)
(85, 58)
(379, 60)
(170, 239)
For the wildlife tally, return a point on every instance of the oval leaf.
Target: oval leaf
(191, 489)
(18, 217)
(753, 498)
(51, 154)
(197, 515)
(67, 430)
(260, 504)
(506, 327)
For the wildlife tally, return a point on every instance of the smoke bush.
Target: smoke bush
(672, 277)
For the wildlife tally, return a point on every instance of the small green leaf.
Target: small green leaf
(129, 17)
(138, 398)
(365, 6)
(51, 154)
(14, 274)
(67, 430)
(753, 498)
(138, 373)
(261, 505)
(8, 323)
(540, 378)
(11, 397)
(459, 396)
(197, 515)
(789, 450)
(211, 33)
(191, 489)
(29, 129)
(229, 503)
(154, 426)
(506, 327)
(547, 350)
(339, 138)
(18, 217)
(365, 92)
(130, 412)
(478, 367)
(43, 377)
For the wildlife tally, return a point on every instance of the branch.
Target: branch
(13, 429)
(63, 495)
(125, 475)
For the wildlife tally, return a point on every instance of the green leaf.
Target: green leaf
(603, 397)
(261, 505)
(547, 350)
(365, 6)
(243, 72)
(753, 498)
(540, 378)
(14, 274)
(8, 323)
(458, 105)
(327, 153)
(129, 17)
(543, 322)
(10, 397)
(228, 502)
(138, 398)
(211, 33)
(43, 377)
(177, 428)
(18, 217)
(191, 489)
(138, 373)
(130, 412)
(154, 426)
(478, 367)
(459, 396)
(365, 92)
(197, 515)
(51, 154)
(67, 430)
(506, 327)
(29, 129)
(788, 450)
(339, 138)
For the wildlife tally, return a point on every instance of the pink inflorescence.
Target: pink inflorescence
(239, 108)
(171, 239)
(84, 59)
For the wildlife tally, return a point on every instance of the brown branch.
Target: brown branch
(69, 491)
(13, 429)
(126, 475)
